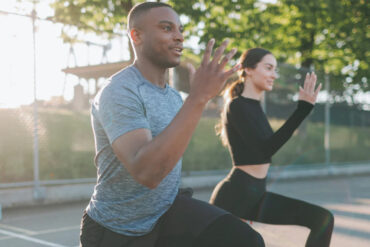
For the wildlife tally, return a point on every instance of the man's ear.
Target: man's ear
(247, 71)
(135, 35)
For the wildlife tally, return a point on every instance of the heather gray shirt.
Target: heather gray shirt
(126, 103)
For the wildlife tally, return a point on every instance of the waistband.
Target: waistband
(242, 178)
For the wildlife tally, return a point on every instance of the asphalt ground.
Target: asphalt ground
(348, 197)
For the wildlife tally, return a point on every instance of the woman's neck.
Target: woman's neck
(250, 91)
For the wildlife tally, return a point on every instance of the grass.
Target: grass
(66, 145)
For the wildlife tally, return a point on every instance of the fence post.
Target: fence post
(327, 120)
(36, 190)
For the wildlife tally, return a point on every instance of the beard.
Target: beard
(160, 59)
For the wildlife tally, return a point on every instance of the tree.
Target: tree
(102, 17)
(330, 35)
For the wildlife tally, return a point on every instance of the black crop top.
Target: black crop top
(251, 138)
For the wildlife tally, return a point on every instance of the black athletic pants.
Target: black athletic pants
(188, 223)
(246, 197)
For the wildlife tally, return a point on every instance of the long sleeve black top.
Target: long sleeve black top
(250, 136)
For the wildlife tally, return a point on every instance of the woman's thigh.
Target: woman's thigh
(278, 209)
(239, 194)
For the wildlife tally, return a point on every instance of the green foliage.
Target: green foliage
(205, 151)
(67, 146)
(98, 16)
(15, 146)
(330, 35)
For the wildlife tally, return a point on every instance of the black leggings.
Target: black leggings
(188, 223)
(227, 231)
(246, 197)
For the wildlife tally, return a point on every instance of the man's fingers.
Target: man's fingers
(208, 52)
(219, 51)
(227, 58)
(191, 70)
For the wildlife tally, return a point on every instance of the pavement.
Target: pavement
(347, 196)
(62, 191)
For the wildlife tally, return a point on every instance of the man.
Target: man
(142, 129)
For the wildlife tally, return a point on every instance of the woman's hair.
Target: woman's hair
(249, 59)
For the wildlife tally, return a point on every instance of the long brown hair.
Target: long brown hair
(249, 59)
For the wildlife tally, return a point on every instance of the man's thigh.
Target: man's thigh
(94, 235)
(185, 220)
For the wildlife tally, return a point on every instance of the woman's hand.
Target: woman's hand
(308, 92)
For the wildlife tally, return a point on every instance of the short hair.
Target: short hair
(141, 8)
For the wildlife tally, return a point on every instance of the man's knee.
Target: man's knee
(229, 230)
(241, 234)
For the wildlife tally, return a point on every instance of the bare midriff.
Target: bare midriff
(255, 170)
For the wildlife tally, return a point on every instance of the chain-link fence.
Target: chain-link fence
(44, 133)
(335, 132)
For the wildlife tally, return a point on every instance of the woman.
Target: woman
(252, 142)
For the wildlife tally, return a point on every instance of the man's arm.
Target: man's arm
(148, 159)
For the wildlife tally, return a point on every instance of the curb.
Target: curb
(201, 181)
(62, 191)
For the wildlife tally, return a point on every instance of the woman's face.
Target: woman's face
(264, 75)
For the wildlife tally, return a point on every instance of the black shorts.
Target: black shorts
(183, 222)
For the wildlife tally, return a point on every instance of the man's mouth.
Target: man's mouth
(178, 50)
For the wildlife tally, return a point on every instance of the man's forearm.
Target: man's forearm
(157, 158)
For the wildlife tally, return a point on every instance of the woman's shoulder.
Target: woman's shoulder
(241, 102)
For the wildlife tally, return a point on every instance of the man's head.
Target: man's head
(139, 9)
(156, 33)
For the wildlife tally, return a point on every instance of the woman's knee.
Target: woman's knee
(328, 218)
(323, 219)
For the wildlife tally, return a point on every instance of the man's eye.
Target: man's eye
(167, 28)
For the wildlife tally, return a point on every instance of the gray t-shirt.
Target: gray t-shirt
(126, 103)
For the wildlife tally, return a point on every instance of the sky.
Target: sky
(16, 56)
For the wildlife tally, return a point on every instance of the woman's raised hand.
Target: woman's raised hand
(308, 92)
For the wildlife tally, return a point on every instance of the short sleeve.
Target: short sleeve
(119, 111)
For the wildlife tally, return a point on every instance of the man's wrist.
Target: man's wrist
(197, 100)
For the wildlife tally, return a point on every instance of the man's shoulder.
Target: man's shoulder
(126, 78)
(122, 85)
(175, 93)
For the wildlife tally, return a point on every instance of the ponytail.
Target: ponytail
(233, 90)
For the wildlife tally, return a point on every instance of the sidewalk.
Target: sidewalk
(61, 191)
(211, 178)
(347, 197)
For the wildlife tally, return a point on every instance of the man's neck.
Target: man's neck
(152, 73)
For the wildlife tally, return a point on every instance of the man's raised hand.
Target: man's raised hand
(208, 80)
